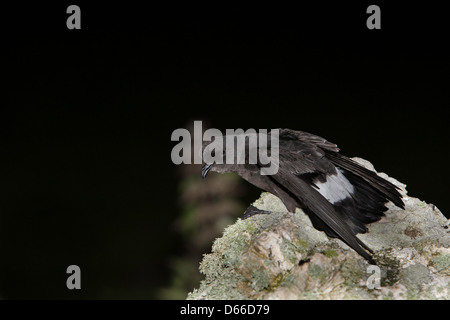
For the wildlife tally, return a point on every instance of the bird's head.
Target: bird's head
(230, 152)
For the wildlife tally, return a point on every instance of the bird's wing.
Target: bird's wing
(331, 152)
(358, 193)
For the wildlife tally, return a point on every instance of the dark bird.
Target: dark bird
(339, 195)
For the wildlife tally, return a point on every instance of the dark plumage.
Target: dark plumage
(339, 196)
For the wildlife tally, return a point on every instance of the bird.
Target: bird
(340, 196)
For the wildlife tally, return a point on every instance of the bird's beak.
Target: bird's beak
(205, 170)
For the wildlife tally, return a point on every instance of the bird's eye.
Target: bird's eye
(213, 153)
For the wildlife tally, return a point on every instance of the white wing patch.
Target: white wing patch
(336, 188)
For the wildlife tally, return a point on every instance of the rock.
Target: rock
(281, 256)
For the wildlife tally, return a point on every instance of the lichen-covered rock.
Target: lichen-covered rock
(282, 256)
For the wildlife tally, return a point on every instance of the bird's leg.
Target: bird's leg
(252, 210)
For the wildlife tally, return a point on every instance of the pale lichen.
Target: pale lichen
(441, 263)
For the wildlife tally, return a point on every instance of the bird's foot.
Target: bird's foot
(252, 210)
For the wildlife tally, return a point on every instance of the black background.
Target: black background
(87, 115)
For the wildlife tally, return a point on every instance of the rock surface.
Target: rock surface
(281, 256)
